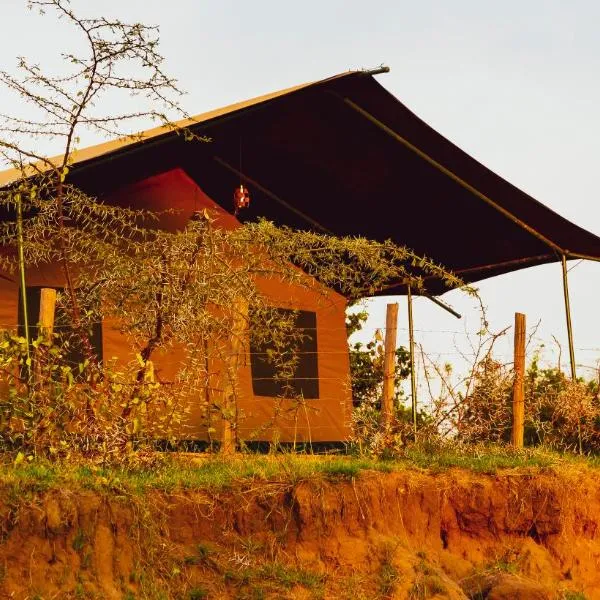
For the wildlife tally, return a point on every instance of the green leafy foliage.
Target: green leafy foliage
(559, 413)
(367, 375)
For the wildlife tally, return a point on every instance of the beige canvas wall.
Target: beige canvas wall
(323, 419)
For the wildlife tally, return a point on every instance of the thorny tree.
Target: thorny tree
(119, 57)
(162, 290)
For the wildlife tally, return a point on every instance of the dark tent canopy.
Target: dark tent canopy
(343, 155)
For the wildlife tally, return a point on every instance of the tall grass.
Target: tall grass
(213, 472)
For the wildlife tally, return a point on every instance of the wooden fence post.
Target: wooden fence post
(389, 362)
(518, 415)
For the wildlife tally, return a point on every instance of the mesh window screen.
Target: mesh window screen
(305, 381)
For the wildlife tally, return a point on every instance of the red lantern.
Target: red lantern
(241, 198)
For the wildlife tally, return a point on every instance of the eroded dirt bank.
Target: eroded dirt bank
(381, 535)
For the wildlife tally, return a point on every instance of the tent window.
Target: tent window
(306, 376)
(75, 355)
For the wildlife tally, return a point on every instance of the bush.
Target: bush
(559, 413)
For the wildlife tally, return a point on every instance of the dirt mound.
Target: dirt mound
(410, 534)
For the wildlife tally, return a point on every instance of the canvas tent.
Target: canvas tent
(344, 156)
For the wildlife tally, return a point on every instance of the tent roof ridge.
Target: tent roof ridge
(93, 151)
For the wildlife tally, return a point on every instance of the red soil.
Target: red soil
(400, 535)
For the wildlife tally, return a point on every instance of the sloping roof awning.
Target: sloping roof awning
(343, 155)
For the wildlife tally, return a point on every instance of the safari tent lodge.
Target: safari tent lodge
(339, 156)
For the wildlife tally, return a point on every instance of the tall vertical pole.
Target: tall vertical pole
(568, 313)
(46, 328)
(413, 375)
(23, 286)
(389, 363)
(47, 312)
(518, 413)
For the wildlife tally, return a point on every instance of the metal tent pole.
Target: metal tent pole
(568, 315)
(441, 305)
(541, 237)
(440, 167)
(413, 378)
(22, 283)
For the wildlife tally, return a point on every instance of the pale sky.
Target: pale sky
(513, 83)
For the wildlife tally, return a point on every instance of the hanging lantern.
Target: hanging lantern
(241, 198)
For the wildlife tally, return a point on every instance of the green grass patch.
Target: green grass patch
(569, 595)
(290, 577)
(259, 581)
(193, 473)
(213, 472)
(388, 579)
(79, 541)
(203, 555)
(198, 593)
(425, 587)
(490, 459)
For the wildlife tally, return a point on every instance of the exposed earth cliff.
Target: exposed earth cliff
(401, 534)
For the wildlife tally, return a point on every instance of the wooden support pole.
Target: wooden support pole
(568, 315)
(413, 374)
(46, 328)
(22, 283)
(518, 416)
(233, 363)
(47, 310)
(389, 363)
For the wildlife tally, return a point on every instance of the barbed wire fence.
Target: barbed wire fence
(467, 346)
(446, 360)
